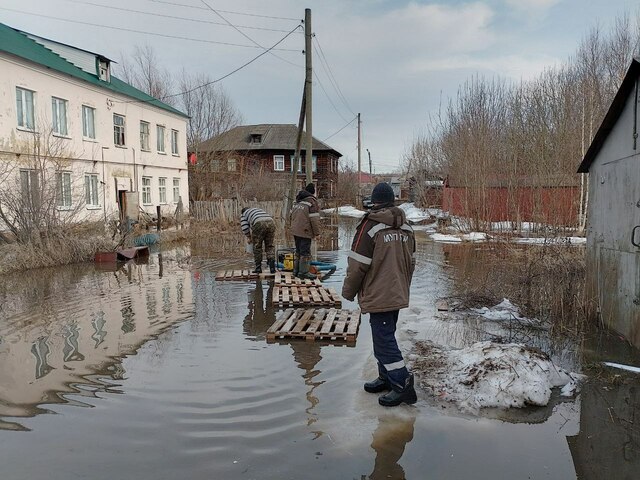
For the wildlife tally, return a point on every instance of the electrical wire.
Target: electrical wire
(324, 62)
(173, 17)
(220, 78)
(245, 35)
(224, 11)
(142, 32)
(343, 127)
(328, 97)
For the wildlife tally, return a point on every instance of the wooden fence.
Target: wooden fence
(228, 210)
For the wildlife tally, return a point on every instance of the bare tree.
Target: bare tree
(143, 70)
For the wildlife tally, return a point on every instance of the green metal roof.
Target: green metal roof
(16, 43)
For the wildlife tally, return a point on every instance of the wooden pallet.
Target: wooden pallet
(303, 296)
(287, 279)
(316, 324)
(240, 275)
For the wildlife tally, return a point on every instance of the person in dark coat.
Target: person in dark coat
(379, 272)
(305, 226)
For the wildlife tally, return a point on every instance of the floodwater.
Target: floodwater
(157, 371)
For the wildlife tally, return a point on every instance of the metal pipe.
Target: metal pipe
(104, 186)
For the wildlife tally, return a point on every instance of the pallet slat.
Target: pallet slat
(243, 274)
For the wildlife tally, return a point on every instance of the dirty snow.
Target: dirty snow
(551, 240)
(346, 211)
(488, 374)
(415, 214)
(506, 311)
(467, 237)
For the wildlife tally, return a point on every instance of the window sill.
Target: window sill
(94, 207)
(59, 135)
(161, 153)
(64, 209)
(89, 139)
(120, 146)
(26, 129)
(147, 204)
(148, 150)
(175, 155)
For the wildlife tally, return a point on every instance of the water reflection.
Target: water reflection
(389, 442)
(45, 355)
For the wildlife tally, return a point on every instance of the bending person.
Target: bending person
(258, 226)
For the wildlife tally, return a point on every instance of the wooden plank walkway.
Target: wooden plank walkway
(316, 324)
(305, 296)
(240, 275)
(287, 279)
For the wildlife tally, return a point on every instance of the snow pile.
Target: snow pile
(467, 237)
(415, 214)
(488, 374)
(506, 311)
(346, 211)
(552, 240)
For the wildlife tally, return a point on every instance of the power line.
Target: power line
(140, 31)
(224, 11)
(221, 78)
(328, 97)
(324, 61)
(245, 35)
(345, 126)
(173, 17)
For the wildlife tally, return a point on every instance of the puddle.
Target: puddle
(157, 371)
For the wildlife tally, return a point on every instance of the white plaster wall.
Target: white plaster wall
(87, 155)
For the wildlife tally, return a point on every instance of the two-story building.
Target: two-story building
(72, 132)
(264, 150)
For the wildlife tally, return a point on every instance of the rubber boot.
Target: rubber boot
(272, 266)
(303, 271)
(258, 268)
(396, 397)
(377, 386)
(296, 267)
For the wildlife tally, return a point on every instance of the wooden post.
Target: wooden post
(296, 157)
(159, 219)
(308, 90)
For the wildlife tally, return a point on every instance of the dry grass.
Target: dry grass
(547, 282)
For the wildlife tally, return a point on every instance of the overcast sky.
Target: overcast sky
(393, 60)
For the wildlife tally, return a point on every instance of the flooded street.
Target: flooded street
(157, 371)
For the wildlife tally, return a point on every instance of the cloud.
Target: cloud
(532, 5)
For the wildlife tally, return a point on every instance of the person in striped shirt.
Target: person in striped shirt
(258, 226)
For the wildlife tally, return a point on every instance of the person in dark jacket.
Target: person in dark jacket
(379, 271)
(259, 228)
(305, 226)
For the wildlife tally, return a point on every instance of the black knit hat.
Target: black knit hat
(311, 188)
(382, 193)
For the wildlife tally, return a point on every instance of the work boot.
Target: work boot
(272, 266)
(396, 397)
(377, 386)
(303, 269)
(258, 268)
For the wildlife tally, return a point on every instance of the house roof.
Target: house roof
(274, 137)
(24, 46)
(610, 119)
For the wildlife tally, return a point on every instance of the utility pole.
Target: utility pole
(308, 90)
(295, 164)
(359, 162)
(369, 153)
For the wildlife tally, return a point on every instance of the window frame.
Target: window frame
(162, 190)
(174, 143)
(176, 189)
(59, 126)
(160, 133)
(85, 131)
(91, 191)
(119, 131)
(22, 109)
(146, 191)
(63, 190)
(302, 169)
(276, 159)
(230, 162)
(29, 196)
(145, 147)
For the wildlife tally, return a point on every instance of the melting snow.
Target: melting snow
(346, 211)
(488, 374)
(467, 237)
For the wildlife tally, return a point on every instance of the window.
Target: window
(231, 165)
(91, 190)
(29, 186)
(160, 142)
(88, 122)
(256, 138)
(24, 107)
(118, 130)
(59, 115)
(162, 189)
(278, 163)
(144, 136)
(215, 165)
(63, 189)
(174, 142)
(176, 190)
(301, 167)
(146, 190)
